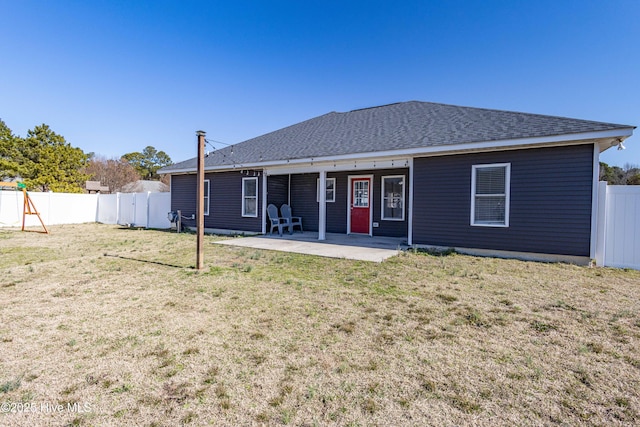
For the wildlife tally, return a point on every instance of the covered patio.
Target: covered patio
(345, 246)
(367, 196)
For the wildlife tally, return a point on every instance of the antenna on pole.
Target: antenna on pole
(200, 202)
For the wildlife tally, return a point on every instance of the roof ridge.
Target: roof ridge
(378, 106)
(525, 113)
(485, 109)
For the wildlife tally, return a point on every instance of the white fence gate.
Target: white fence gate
(618, 242)
(138, 209)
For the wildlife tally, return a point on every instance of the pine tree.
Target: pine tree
(49, 163)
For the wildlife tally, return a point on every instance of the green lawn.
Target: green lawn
(117, 323)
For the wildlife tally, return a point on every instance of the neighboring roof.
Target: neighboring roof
(92, 185)
(96, 186)
(401, 126)
(143, 186)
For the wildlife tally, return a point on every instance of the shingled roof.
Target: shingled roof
(400, 126)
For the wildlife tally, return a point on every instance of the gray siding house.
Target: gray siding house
(478, 180)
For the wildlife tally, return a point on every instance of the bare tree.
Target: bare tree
(166, 179)
(114, 172)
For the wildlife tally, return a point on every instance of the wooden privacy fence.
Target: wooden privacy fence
(137, 209)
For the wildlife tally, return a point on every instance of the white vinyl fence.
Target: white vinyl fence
(137, 209)
(618, 222)
(618, 242)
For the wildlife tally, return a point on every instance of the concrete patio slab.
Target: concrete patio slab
(356, 247)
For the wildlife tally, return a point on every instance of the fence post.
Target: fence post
(148, 200)
(98, 207)
(601, 227)
(118, 207)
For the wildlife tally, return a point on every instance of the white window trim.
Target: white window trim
(507, 194)
(243, 198)
(382, 198)
(207, 196)
(328, 200)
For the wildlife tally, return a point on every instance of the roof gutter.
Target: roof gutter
(508, 144)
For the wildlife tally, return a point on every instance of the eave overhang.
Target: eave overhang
(604, 139)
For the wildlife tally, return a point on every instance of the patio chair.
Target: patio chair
(291, 221)
(275, 220)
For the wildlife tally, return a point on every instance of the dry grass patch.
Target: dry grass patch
(119, 319)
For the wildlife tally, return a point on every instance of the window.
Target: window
(331, 190)
(361, 193)
(393, 198)
(250, 197)
(490, 195)
(206, 197)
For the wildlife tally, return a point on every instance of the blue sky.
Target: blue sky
(115, 76)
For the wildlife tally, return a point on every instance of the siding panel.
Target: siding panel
(278, 189)
(337, 211)
(303, 199)
(226, 200)
(225, 209)
(550, 210)
(183, 197)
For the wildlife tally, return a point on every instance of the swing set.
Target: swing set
(29, 208)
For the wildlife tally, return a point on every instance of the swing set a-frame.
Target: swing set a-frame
(29, 208)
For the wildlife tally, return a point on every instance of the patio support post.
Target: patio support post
(322, 197)
(410, 206)
(264, 201)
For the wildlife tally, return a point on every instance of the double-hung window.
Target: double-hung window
(490, 186)
(250, 197)
(393, 198)
(331, 190)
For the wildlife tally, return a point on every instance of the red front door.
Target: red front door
(360, 205)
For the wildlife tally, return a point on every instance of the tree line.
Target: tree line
(45, 161)
(615, 175)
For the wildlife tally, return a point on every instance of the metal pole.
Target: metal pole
(200, 202)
